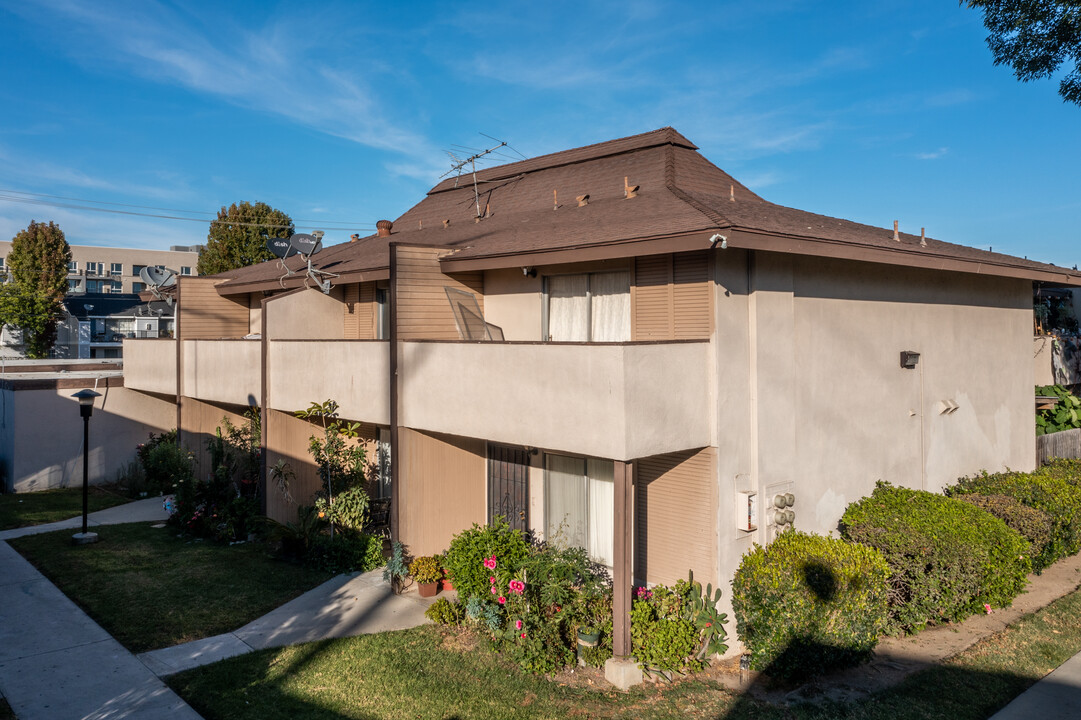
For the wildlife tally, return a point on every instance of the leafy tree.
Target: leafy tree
(238, 237)
(31, 302)
(1035, 37)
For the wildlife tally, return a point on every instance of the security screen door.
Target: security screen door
(508, 485)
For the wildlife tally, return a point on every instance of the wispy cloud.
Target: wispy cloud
(932, 155)
(21, 169)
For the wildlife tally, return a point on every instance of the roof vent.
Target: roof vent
(629, 191)
(895, 235)
(383, 227)
(446, 223)
(923, 237)
(731, 193)
(354, 237)
(583, 200)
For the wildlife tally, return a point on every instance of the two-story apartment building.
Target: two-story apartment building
(621, 347)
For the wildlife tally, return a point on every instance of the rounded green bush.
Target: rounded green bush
(1054, 488)
(464, 559)
(1034, 524)
(806, 603)
(947, 558)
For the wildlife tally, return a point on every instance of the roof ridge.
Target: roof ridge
(670, 183)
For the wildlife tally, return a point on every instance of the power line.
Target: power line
(215, 221)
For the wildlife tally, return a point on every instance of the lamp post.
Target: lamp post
(86, 409)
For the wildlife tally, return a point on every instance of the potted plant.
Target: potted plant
(588, 636)
(427, 572)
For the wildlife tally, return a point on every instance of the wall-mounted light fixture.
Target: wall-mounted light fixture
(529, 271)
(909, 359)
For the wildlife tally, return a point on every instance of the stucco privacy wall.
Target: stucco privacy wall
(354, 373)
(46, 434)
(222, 371)
(305, 314)
(150, 365)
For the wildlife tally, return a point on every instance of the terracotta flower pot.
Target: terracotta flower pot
(428, 589)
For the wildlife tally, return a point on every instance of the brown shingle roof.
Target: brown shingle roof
(530, 207)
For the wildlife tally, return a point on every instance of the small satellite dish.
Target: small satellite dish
(305, 244)
(280, 247)
(157, 279)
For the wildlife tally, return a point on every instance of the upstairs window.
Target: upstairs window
(185, 270)
(116, 268)
(591, 307)
(73, 266)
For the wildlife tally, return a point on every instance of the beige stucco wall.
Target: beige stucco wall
(223, 371)
(43, 435)
(611, 401)
(306, 314)
(354, 373)
(513, 301)
(150, 365)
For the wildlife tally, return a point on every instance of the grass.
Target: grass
(151, 589)
(427, 673)
(46, 506)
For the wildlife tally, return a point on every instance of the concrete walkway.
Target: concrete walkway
(1055, 697)
(148, 510)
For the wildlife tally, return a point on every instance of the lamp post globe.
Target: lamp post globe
(86, 409)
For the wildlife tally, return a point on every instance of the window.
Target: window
(116, 269)
(94, 286)
(382, 313)
(185, 270)
(579, 504)
(1, 263)
(116, 286)
(136, 269)
(95, 268)
(138, 287)
(75, 285)
(593, 307)
(73, 266)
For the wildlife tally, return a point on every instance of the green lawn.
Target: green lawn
(37, 508)
(150, 589)
(420, 673)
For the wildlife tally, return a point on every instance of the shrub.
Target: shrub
(464, 559)
(426, 569)
(947, 558)
(808, 602)
(350, 509)
(1054, 488)
(1033, 524)
(444, 612)
(346, 552)
(166, 466)
(1066, 415)
(662, 637)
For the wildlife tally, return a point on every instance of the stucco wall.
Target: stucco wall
(354, 373)
(150, 365)
(610, 401)
(47, 433)
(513, 301)
(222, 371)
(1042, 369)
(305, 315)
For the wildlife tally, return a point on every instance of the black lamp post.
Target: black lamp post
(86, 409)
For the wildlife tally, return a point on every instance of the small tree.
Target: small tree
(31, 302)
(341, 466)
(238, 237)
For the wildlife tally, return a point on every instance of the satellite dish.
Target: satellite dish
(305, 244)
(280, 247)
(157, 279)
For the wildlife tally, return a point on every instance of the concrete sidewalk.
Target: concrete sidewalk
(344, 606)
(56, 663)
(1055, 697)
(148, 510)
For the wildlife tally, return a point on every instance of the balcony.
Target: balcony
(222, 371)
(353, 373)
(618, 401)
(150, 365)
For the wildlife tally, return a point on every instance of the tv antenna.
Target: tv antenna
(305, 246)
(471, 161)
(160, 281)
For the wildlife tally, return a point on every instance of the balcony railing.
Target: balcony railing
(353, 373)
(224, 371)
(619, 401)
(150, 365)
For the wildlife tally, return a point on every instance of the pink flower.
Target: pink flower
(494, 591)
(517, 586)
(502, 600)
(517, 624)
(492, 580)
(490, 562)
(523, 634)
(987, 608)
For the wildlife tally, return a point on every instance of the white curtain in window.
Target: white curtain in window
(568, 309)
(601, 489)
(566, 507)
(611, 306)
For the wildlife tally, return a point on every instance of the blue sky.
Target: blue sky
(341, 114)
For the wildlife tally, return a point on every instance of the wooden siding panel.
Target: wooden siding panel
(442, 488)
(203, 314)
(423, 310)
(652, 307)
(671, 297)
(675, 518)
(359, 310)
(199, 421)
(691, 296)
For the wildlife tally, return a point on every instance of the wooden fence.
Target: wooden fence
(1065, 444)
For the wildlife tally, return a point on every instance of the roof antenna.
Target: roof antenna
(472, 162)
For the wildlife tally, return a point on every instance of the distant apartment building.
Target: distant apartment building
(116, 270)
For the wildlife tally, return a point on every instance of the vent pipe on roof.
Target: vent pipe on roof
(555, 199)
(629, 191)
(923, 237)
(731, 193)
(383, 228)
(583, 200)
(354, 237)
(895, 235)
(446, 223)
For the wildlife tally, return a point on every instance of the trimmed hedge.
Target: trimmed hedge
(807, 603)
(948, 558)
(1033, 524)
(464, 559)
(1054, 489)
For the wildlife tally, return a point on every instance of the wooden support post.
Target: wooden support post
(623, 541)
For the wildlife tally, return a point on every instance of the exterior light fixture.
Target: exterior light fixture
(86, 409)
(909, 359)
